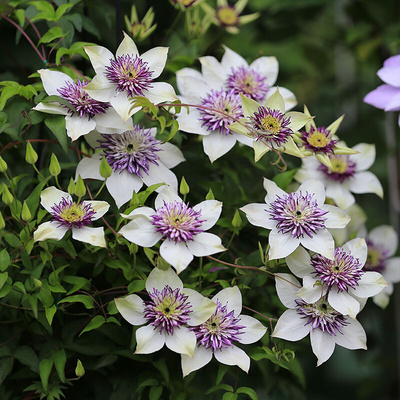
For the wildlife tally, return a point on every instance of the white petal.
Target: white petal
(231, 297)
(49, 230)
(268, 67)
(312, 290)
(217, 144)
(210, 212)
(392, 270)
(99, 208)
(231, 60)
(141, 231)
(213, 72)
(322, 345)
(321, 242)
(123, 106)
(233, 356)
(51, 108)
(299, 262)
(159, 278)
(156, 59)
(93, 236)
(160, 174)
(89, 168)
(201, 357)
(340, 194)
(121, 186)
(171, 155)
(139, 212)
(182, 341)
(358, 249)
(258, 216)
(53, 196)
(272, 190)
(176, 254)
(382, 299)
(286, 287)
(366, 156)
(291, 327)
(386, 237)
(54, 80)
(370, 284)
(343, 303)
(205, 244)
(191, 122)
(99, 56)
(160, 92)
(202, 307)
(254, 330)
(192, 86)
(281, 245)
(127, 46)
(336, 217)
(365, 182)
(132, 309)
(353, 337)
(288, 97)
(111, 122)
(77, 126)
(315, 187)
(100, 88)
(168, 195)
(148, 340)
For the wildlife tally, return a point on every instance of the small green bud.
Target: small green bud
(7, 197)
(3, 165)
(31, 155)
(236, 221)
(80, 188)
(135, 201)
(210, 195)
(105, 169)
(38, 284)
(2, 222)
(71, 187)
(54, 168)
(26, 213)
(79, 370)
(184, 187)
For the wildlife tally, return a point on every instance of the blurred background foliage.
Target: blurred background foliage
(328, 53)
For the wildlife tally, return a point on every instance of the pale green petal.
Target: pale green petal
(297, 120)
(276, 102)
(249, 106)
(132, 309)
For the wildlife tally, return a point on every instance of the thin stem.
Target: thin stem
(262, 315)
(38, 35)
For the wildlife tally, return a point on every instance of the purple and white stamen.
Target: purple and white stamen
(342, 168)
(72, 215)
(318, 140)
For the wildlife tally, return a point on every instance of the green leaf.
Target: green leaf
(54, 33)
(50, 312)
(3, 279)
(223, 386)
(20, 14)
(56, 123)
(163, 122)
(221, 373)
(12, 240)
(60, 358)
(173, 130)
(47, 11)
(32, 300)
(229, 396)
(6, 364)
(136, 286)
(62, 9)
(33, 199)
(155, 392)
(44, 371)
(6, 94)
(79, 298)
(161, 365)
(95, 323)
(19, 286)
(78, 282)
(249, 391)
(26, 356)
(284, 178)
(4, 260)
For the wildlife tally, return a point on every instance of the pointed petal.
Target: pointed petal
(344, 303)
(203, 308)
(53, 196)
(205, 244)
(258, 216)
(132, 309)
(54, 80)
(217, 144)
(365, 182)
(276, 102)
(322, 345)
(168, 195)
(213, 72)
(312, 290)
(358, 249)
(127, 46)
(176, 254)
(159, 278)
(291, 327)
(288, 97)
(260, 149)
(254, 330)
(88, 168)
(201, 357)
(156, 59)
(233, 356)
(148, 340)
(313, 186)
(353, 337)
(231, 297)
(268, 67)
(390, 75)
(141, 231)
(51, 108)
(386, 237)
(121, 186)
(249, 106)
(171, 155)
(210, 212)
(286, 287)
(299, 262)
(281, 245)
(93, 236)
(231, 60)
(99, 56)
(182, 341)
(160, 174)
(191, 122)
(297, 120)
(123, 106)
(336, 218)
(272, 190)
(100, 88)
(392, 270)
(321, 242)
(370, 284)
(160, 92)
(99, 208)
(49, 230)
(77, 126)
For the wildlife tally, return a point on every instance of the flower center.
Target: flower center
(297, 214)
(318, 140)
(130, 73)
(271, 125)
(72, 215)
(132, 150)
(83, 104)
(248, 82)
(177, 221)
(220, 330)
(185, 3)
(167, 309)
(376, 258)
(344, 270)
(342, 168)
(321, 316)
(227, 16)
(221, 105)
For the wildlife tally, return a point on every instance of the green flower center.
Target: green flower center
(318, 139)
(227, 16)
(73, 213)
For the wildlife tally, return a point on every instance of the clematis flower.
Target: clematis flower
(297, 218)
(86, 114)
(326, 326)
(347, 174)
(382, 244)
(387, 96)
(342, 280)
(182, 227)
(219, 334)
(136, 157)
(69, 215)
(269, 126)
(168, 315)
(127, 75)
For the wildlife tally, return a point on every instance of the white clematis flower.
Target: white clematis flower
(68, 215)
(182, 228)
(169, 313)
(326, 326)
(127, 75)
(219, 334)
(296, 218)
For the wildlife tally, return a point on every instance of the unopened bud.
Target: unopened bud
(236, 221)
(30, 155)
(3, 165)
(26, 213)
(79, 370)
(210, 195)
(105, 169)
(38, 284)
(80, 188)
(7, 197)
(2, 222)
(71, 187)
(184, 187)
(54, 168)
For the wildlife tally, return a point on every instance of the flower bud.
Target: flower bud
(54, 168)
(105, 169)
(3, 165)
(236, 221)
(210, 195)
(30, 155)
(79, 370)
(7, 197)
(184, 187)
(38, 284)
(26, 213)
(2, 222)
(71, 187)
(80, 188)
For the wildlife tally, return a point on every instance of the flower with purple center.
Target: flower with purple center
(128, 74)
(221, 332)
(169, 315)
(327, 327)
(85, 114)
(342, 280)
(382, 244)
(69, 215)
(136, 157)
(297, 218)
(318, 140)
(181, 227)
(346, 174)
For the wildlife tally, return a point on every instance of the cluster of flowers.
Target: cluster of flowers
(227, 101)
